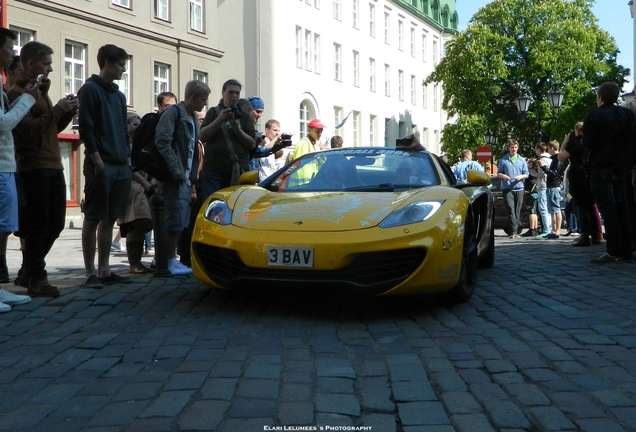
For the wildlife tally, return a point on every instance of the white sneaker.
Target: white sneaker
(177, 269)
(4, 308)
(10, 298)
(121, 247)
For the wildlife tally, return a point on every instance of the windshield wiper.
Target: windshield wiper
(384, 187)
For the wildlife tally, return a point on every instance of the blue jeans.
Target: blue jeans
(608, 189)
(546, 219)
(210, 182)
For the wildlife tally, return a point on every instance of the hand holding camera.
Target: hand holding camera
(69, 103)
(283, 141)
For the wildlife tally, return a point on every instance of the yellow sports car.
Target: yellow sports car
(376, 220)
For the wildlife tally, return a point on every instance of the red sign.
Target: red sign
(483, 154)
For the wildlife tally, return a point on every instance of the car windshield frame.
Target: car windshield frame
(368, 169)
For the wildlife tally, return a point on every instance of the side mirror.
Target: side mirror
(475, 177)
(249, 178)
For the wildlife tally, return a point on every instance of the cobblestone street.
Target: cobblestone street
(546, 343)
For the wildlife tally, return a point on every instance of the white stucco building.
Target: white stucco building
(327, 59)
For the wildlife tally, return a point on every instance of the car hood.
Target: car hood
(259, 209)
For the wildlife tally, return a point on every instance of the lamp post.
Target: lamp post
(491, 139)
(555, 98)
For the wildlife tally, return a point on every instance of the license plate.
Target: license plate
(290, 257)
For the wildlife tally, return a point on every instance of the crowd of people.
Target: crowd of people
(202, 152)
(595, 167)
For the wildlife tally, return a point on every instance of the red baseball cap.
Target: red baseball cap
(315, 123)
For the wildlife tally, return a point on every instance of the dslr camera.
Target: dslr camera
(403, 142)
(236, 111)
(285, 140)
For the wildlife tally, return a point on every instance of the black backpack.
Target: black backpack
(144, 154)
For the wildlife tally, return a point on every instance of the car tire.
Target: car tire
(465, 286)
(488, 260)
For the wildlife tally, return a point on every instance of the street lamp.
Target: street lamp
(491, 138)
(555, 98)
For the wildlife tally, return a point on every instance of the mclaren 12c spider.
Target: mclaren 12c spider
(375, 220)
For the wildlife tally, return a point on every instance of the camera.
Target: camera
(40, 78)
(285, 140)
(236, 111)
(402, 142)
(71, 96)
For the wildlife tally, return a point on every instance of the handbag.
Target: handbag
(237, 170)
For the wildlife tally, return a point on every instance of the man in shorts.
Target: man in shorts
(103, 128)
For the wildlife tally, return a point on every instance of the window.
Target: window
(436, 136)
(356, 128)
(74, 67)
(299, 47)
(371, 75)
(401, 85)
(196, 15)
(337, 54)
(387, 24)
(424, 137)
(161, 80)
(355, 5)
(435, 52)
(435, 106)
(316, 3)
(122, 3)
(412, 42)
(425, 97)
(316, 53)
(412, 89)
(24, 36)
(371, 20)
(387, 80)
(336, 9)
(337, 116)
(400, 35)
(307, 50)
(372, 121)
(423, 47)
(306, 114)
(162, 10)
(200, 76)
(356, 69)
(124, 82)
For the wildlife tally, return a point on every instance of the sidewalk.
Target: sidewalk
(65, 262)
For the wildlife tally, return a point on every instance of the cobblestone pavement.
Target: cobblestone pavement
(547, 343)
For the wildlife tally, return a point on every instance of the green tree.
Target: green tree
(511, 46)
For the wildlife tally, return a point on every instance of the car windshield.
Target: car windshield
(356, 169)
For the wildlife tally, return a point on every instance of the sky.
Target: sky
(613, 16)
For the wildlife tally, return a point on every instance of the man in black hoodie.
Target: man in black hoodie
(610, 141)
(103, 128)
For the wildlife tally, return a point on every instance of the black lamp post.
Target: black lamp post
(491, 138)
(555, 97)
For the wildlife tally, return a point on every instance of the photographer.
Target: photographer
(274, 143)
(225, 130)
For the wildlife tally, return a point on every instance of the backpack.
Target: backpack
(144, 154)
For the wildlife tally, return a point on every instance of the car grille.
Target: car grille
(371, 272)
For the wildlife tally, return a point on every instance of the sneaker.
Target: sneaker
(542, 235)
(4, 308)
(21, 280)
(606, 258)
(10, 298)
(42, 288)
(177, 269)
(153, 264)
(552, 236)
(568, 234)
(118, 246)
(530, 233)
(93, 282)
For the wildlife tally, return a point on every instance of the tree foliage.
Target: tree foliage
(512, 46)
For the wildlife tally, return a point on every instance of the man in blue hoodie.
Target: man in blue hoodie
(103, 128)
(513, 170)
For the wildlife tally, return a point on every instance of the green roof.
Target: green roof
(441, 14)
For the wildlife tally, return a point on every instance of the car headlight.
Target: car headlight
(412, 213)
(218, 212)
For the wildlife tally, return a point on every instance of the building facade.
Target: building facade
(168, 46)
(359, 60)
(365, 59)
